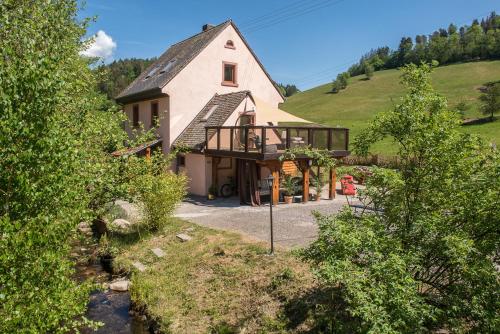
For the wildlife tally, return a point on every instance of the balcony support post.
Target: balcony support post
(332, 183)
(263, 141)
(305, 180)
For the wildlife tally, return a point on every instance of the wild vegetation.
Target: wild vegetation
(57, 133)
(288, 90)
(478, 41)
(218, 282)
(116, 76)
(425, 257)
(356, 106)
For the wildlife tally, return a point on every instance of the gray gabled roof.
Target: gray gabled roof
(149, 84)
(170, 63)
(221, 107)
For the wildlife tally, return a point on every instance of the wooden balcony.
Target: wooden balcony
(270, 142)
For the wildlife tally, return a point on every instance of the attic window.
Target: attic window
(229, 74)
(209, 113)
(230, 44)
(150, 74)
(168, 66)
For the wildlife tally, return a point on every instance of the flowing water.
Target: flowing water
(109, 307)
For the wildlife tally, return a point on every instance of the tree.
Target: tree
(368, 70)
(341, 82)
(55, 167)
(115, 77)
(424, 259)
(490, 99)
(404, 50)
(288, 90)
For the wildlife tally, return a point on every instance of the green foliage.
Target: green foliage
(318, 182)
(425, 259)
(369, 69)
(321, 158)
(461, 108)
(157, 190)
(355, 107)
(341, 82)
(115, 77)
(491, 99)
(46, 91)
(289, 185)
(477, 41)
(288, 90)
(106, 249)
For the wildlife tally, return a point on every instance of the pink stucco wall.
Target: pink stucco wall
(196, 84)
(197, 169)
(145, 118)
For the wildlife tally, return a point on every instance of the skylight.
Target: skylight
(209, 113)
(153, 71)
(168, 66)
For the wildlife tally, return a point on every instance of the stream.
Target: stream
(107, 306)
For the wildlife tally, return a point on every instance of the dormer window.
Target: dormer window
(229, 74)
(230, 44)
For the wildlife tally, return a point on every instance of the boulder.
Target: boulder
(121, 285)
(121, 224)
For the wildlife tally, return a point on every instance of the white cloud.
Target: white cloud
(102, 47)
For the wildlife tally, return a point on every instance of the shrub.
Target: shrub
(368, 68)
(46, 93)
(159, 196)
(427, 259)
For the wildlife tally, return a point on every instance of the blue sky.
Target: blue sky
(301, 42)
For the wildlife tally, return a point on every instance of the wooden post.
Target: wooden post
(275, 171)
(333, 181)
(215, 163)
(148, 153)
(305, 181)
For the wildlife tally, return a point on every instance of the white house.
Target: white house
(211, 93)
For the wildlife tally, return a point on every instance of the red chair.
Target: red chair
(347, 184)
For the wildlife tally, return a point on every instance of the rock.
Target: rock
(183, 237)
(190, 229)
(139, 266)
(121, 224)
(158, 252)
(121, 285)
(84, 228)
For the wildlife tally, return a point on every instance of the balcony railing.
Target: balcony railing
(268, 142)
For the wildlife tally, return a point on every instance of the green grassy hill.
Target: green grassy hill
(363, 99)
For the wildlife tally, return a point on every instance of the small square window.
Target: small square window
(135, 115)
(229, 75)
(154, 114)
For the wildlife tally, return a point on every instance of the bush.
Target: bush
(427, 259)
(341, 82)
(158, 197)
(46, 92)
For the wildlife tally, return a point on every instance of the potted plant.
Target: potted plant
(318, 184)
(288, 184)
(106, 252)
(212, 192)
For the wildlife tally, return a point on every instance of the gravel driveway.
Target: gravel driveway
(294, 225)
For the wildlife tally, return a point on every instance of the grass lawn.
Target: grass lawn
(219, 283)
(363, 99)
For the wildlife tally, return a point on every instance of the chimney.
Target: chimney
(207, 26)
